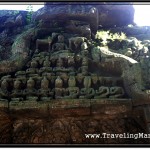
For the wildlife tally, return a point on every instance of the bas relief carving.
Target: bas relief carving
(65, 74)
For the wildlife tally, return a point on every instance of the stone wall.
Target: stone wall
(30, 114)
(42, 122)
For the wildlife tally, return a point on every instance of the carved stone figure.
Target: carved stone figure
(58, 82)
(84, 67)
(60, 45)
(71, 64)
(84, 49)
(44, 91)
(30, 83)
(75, 43)
(58, 90)
(59, 66)
(102, 92)
(87, 82)
(85, 61)
(116, 92)
(65, 78)
(30, 88)
(17, 92)
(87, 91)
(71, 61)
(17, 84)
(80, 78)
(84, 70)
(44, 84)
(36, 58)
(46, 65)
(4, 88)
(72, 91)
(33, 67)
(44, 41)
(40, 57)
(34, 64)
(60, 62)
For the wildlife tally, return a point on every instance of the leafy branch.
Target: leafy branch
(29, 14)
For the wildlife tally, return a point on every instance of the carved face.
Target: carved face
(4, 84)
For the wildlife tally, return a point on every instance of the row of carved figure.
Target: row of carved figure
(58, 91)
(42, 64)
(64, 80)
(75, 43)
(47, 61)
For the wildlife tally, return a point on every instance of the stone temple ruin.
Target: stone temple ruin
(58, 86)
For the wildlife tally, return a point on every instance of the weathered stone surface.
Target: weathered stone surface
(66, 130)
(63, 13)
(20, 53)
(12, 23)
(110, 14)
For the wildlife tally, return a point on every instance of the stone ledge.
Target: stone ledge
(70, 107)
(67, 103)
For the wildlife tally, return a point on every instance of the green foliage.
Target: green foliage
(29, 14)
(105, 36)
(118, 36)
